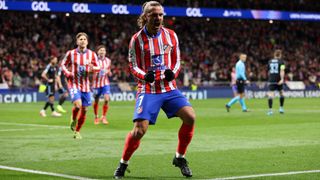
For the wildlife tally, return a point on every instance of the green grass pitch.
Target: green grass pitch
(224, 144)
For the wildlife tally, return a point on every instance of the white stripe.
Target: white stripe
(33, 125)
(73, 69)
(170, 43)
(43, 173)
(142, 54)
(134, 57)
(162, 51)
(152, 52)
(268, 175)
(177, 66)
(29, 129)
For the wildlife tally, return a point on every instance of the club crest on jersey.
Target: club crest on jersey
(156, 59)
(166, 48)
(139, 109)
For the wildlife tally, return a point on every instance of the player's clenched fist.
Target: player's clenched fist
(168, 75)
(149, 77)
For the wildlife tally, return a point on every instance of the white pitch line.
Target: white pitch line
(268, 175)
(33, 125)
(30, 129)
(44, 173)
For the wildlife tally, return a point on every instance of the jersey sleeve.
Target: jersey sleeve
(134, 59)
(96, 66)
(46, 69)
(175, 56)
(66, 61)
(108, 65)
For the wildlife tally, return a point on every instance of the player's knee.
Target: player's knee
(138, 133)
(51, 99)
(106, 102)
(190, 118)
(84, 110)
(76, 108)
(78, 105)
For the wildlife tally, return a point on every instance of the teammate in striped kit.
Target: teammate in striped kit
(76, 65)
(234, 82)
(101, 85)
(154, 60)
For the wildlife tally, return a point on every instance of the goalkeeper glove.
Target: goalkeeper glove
(168, 75)
(149, 77)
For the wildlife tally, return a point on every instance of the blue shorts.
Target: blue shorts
(148, 105)
(85, 97)
(101, 91)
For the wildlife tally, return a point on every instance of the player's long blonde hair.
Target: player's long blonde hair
(146, 7)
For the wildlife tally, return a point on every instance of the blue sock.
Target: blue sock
(233, 100)
(243, 104)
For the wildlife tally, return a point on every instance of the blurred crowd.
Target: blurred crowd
(209, 47)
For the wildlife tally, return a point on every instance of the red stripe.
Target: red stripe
(146, 58)
(138, 53)
(134, 44)
(165, 42)
(108, 62)
(174, 52)
(156, 45)
(87, 82)
(174, 56)
(102, 77)
(158, 72)
(157, 83)
(80, 64)
(75, 67)
(96, 78)
(68, 61)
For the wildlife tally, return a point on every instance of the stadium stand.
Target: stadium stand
(288, 5)
(208, 46)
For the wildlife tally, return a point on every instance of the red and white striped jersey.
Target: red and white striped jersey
(154, 53)
(76, 63)
(101, 79)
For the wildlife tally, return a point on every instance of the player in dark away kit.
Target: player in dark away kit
(276, 69)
